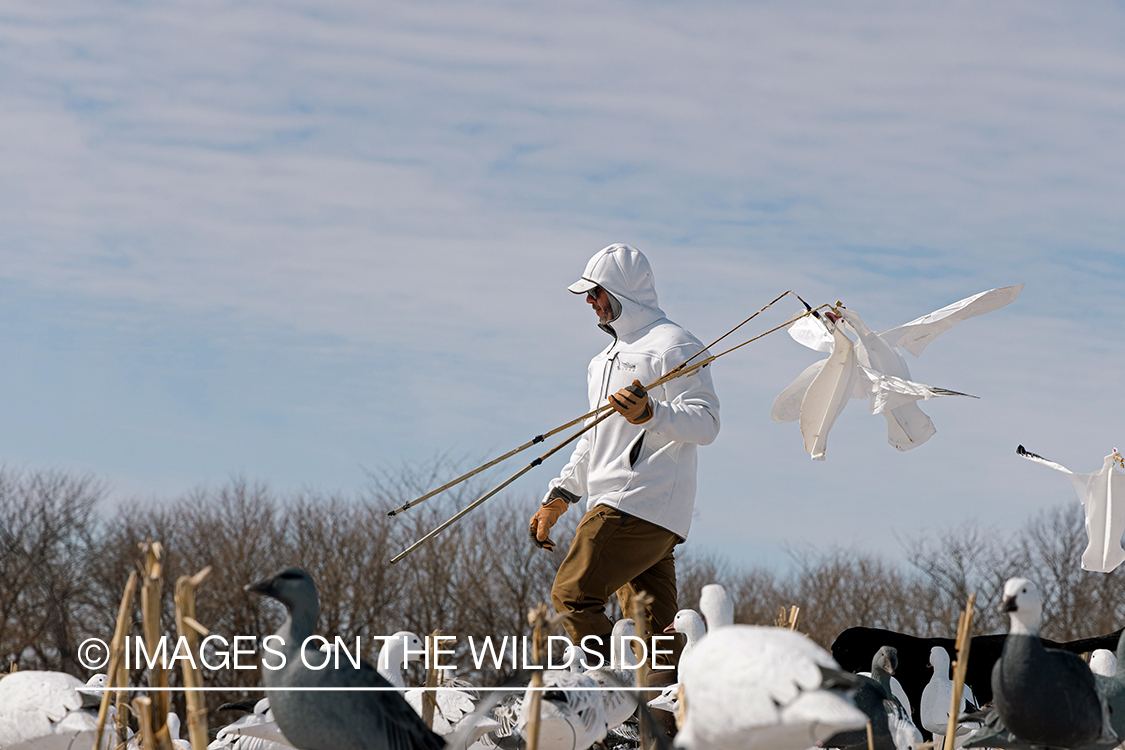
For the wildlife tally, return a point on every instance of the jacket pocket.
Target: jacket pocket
(635, 451)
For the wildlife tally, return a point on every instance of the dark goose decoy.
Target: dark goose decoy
(1044, 696)
(855, 647)
(891, 726)
(323, 720)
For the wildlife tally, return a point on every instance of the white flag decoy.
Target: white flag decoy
(1103, 498)
(828, 393)
(882, 371)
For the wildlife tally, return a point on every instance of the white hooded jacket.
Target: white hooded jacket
(645, 470)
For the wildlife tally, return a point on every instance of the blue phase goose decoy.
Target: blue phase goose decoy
(1044, 697)
(322, 720)
(1103, 662)
(891, 725)
(1112, 687)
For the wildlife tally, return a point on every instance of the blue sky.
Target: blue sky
(297, 240)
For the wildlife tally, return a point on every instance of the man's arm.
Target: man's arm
(566, 489)
(571, 481)
(689, 409)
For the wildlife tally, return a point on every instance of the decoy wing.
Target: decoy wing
(916, 335)
(787, 405)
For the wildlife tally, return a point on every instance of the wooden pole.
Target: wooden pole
(676, 372)
(538, 618)
(641, 603)
(116, 675)
(143, 708)
(960, 667)
(429, 695)
(161, 702)
(188, 628)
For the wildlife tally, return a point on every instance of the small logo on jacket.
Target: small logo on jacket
(627, 366)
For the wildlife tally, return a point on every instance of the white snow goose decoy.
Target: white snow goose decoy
(46, 710)
(748, 686)
(1103, 499)
(871, 366)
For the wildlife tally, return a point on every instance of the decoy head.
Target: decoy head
(292, 587)
(688, 622)
(716, 606)
(885, 659)
(939, 660)
(1023, 604)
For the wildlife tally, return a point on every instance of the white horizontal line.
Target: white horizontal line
(244, 689)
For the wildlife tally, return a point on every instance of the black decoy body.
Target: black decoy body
(336, 720)
(855, 647)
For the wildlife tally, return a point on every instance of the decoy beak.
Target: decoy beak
(1008, 605)
(263, 587)
(671, 629)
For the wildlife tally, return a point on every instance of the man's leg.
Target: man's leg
(610, 548)
(659, 582)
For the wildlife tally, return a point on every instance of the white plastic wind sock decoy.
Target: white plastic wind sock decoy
(828, 393)
(1103, 499)
(817, 397)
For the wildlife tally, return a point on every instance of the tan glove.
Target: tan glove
(631, 402)
(544, 519)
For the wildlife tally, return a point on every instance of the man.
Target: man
(637, 468)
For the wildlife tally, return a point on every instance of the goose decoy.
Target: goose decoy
(46, 709)
(689, 623)
(753, 686)
(568, 719)
(453, 704)
(618, 705)
(1103, 662)
(396, 652)
(855, 647)
(1043, 696)
(330, 720)
(879, 371)
(1112, 686)
(891, 726)
(1103, 499)
(716, 606)
(938, 696)
(256, 729)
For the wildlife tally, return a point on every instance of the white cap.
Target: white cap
(582, 286)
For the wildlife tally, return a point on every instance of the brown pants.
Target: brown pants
(613, 551)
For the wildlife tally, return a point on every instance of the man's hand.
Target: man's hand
(631, 402)
(544, 519)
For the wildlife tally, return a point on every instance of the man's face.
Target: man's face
(599, 300)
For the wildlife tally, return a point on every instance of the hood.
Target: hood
(625, 273)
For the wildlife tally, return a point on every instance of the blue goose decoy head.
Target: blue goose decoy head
(1023, 604)
(885, 659)
(292, 586)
